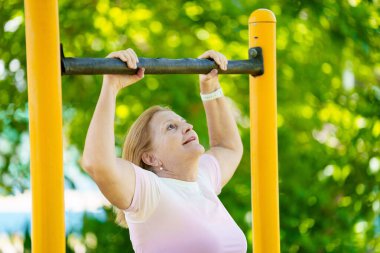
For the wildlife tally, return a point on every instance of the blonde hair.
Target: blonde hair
(137, 142)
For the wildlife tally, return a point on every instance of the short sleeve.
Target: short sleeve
(209, 169)
(145, 198)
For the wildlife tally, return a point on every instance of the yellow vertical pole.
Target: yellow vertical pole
(263, 113)
(45, 125)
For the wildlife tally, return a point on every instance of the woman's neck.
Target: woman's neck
(185, 170)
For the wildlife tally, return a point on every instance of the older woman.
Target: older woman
(166, 187)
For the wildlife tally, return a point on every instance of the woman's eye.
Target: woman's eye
(171, 126)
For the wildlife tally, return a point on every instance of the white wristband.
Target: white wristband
(213, 95)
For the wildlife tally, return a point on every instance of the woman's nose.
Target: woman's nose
(187, 127)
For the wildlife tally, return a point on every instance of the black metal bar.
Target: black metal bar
(97, 66)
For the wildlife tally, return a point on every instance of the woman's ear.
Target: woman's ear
(150, 159)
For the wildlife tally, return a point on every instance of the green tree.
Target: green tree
(328, 104)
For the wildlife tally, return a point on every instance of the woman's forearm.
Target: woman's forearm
(222, 128)
(99, 151)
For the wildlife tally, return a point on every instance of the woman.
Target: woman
(166, 185)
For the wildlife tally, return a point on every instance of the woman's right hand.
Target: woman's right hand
(117, 82)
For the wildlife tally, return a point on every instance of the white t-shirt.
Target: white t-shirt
(173, 216)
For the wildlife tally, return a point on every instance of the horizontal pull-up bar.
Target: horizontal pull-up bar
(98, 66)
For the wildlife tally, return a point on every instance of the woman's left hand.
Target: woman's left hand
(210, 82)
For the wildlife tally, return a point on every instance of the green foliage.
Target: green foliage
(102, 236)
(328, 104)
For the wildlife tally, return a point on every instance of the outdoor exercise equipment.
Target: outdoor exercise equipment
(96, 66)
(45, 120)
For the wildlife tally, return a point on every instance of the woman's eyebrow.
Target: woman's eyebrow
(180, 119)
(164, 123)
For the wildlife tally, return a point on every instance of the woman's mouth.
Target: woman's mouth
(192, 138)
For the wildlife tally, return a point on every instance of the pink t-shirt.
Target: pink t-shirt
(174, 216)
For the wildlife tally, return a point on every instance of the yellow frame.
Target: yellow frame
(45, 126)
(264, 157)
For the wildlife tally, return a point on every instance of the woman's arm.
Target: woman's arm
(114, 176)
(225, 141)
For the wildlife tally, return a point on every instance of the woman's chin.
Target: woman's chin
(196, 149)
(199, 149)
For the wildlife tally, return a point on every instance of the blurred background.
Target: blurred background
(328, 113)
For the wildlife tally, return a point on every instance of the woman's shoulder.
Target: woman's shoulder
(209, 172)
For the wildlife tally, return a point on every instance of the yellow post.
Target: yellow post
(45, 125)
(263, 112)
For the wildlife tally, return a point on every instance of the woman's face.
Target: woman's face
(173, 139)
